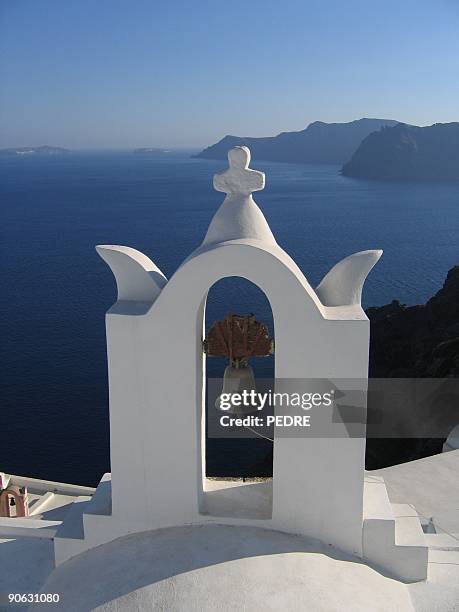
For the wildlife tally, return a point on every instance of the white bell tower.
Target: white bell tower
(157, 409)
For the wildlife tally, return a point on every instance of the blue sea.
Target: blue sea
(56, 290)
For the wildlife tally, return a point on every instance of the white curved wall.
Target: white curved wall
(156, 379)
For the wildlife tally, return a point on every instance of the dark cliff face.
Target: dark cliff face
(320, 143)
(414, 342)
(408, 153)
(417, 341)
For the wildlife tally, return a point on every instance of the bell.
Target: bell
(236, 380)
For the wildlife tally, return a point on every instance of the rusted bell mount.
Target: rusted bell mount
(238, 338)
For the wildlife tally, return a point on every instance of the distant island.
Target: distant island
(151, 151)
(319, 143)
(408, 153)
(43, 150)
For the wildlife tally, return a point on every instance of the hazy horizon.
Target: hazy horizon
(178, 75)
(185, 148)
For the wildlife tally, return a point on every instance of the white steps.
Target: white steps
(101, 501)
(72, 526)
(442, 541)
(71, 538)
(28, 527)
(408, 528)
(393, 538)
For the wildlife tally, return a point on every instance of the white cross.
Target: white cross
(239, 179)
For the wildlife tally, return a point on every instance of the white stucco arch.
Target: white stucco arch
(156, 373)
(157, 382)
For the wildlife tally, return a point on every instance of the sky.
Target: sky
(114, 74)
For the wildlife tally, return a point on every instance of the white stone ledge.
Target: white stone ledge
(37, 484)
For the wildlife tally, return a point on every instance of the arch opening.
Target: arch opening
(236, 472)
(251, 455)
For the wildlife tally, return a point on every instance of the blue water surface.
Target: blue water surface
(56, 289)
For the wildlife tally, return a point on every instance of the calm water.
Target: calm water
(56, 290)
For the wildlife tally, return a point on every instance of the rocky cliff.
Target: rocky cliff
(417, 341)
(414, 342)
(408, 153)
(319, 143)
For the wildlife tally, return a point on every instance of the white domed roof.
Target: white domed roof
(215, 567)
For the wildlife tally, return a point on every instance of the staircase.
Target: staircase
(393, 539)
(71, 537)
